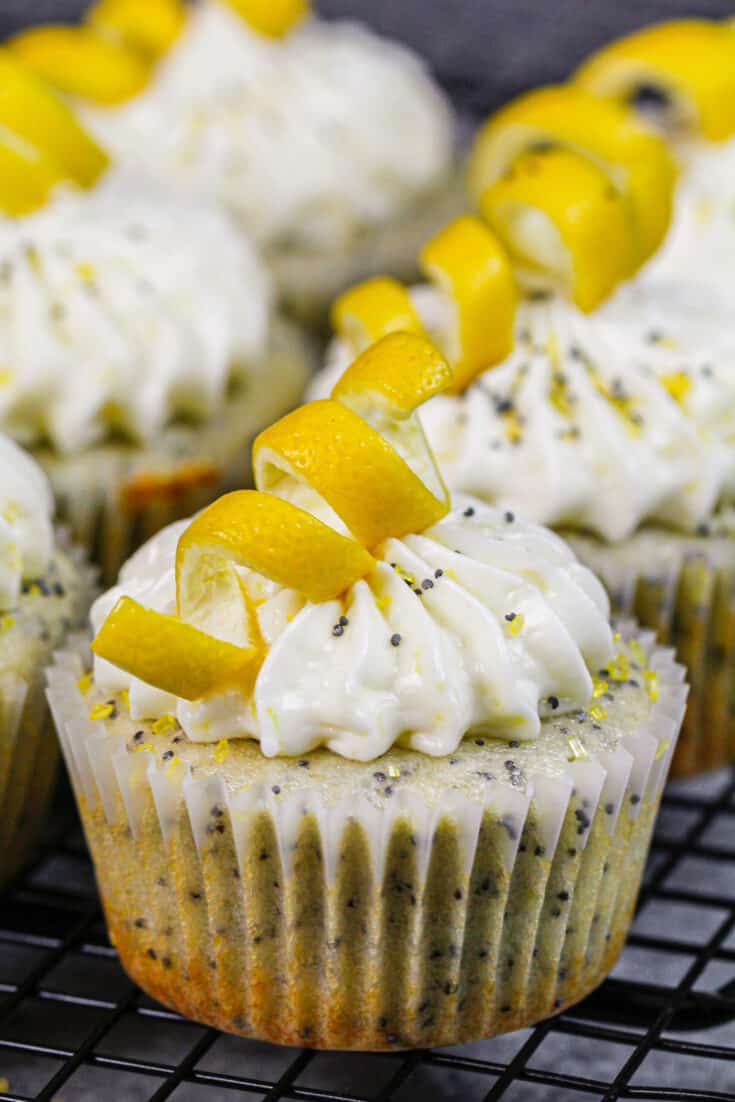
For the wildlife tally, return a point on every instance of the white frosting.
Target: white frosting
(122, 308)
(26, 511)
(700, 245)
(460, 664)
(306, 139)
(537, 434)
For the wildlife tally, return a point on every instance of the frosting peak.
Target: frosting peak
(483, 623)
(120, 310)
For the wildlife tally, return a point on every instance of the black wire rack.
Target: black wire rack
(73, 1028)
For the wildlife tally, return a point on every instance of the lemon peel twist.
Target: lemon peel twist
(274, 18)
(374, 470)
(636, 159)
(558, 213)
(689, 64)
(170, 654)
(32, 111)
(80, 62)
(363, 451)
(148, 26)
(468, 263)
(373, 309)
(27, 175)
(472, 270)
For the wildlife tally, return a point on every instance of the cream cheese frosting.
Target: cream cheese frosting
(26, 512)
(122, 309)
(306, 139)
(601, 422)
(482, 624)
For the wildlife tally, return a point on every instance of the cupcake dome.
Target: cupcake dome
(44, 592)
(313, 138)
(403, 792)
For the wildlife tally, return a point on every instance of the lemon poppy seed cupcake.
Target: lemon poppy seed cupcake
(45, 590)
(331, 146)
(360, 766)
(556, 414)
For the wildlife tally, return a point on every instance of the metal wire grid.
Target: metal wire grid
(74, 1029)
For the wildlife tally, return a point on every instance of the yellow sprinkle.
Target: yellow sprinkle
(616, 637)
(85, 271)
(84, 683)
(143, 746)
(6, 623)
(125, 697)
(598, 712)
(576, 748)
(652, 678)
(221, 750)
(384, 601)
(619, 668)
(165, 723)
(513, 430)
(100, 711)
(393, 771)
(638, 652)
(515, 626)
(678, 384)
(600, 687)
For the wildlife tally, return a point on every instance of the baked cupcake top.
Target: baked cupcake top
(121, 310)
(307, 130)
(26, 531)
(267, 617)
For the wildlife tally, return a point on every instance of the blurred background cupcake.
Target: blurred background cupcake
(370, 799)
(45, 591)
(330, 145)
(140, 342)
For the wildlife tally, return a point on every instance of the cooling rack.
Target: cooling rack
(73, 1028)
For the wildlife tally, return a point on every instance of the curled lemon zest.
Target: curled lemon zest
(149, 27)
(691, 62)
(373, 309)
(558, 214)
(274, 18)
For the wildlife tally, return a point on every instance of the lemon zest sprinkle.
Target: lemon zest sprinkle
(221, 750)
(599, 687)
(84, 683)
(515, 626)
(165, 723)
(100, 711)
(598, 712)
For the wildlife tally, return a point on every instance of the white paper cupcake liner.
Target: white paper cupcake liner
(683, 588)
(350, 925)
(114, 497)
(28, 744)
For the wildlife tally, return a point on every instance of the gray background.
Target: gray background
(483, 50)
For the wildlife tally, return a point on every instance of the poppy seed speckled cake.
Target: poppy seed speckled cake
(360, 765)
(45, 591)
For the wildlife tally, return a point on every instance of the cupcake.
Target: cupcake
(331, 146)
(140, 343)
(45, 590)
(360, 766)
(680, 76)
(614, 427)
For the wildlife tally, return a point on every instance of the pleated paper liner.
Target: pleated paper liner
(683, 588)
(310, 279)
(395, 911)
(115, 496)
(29, 748)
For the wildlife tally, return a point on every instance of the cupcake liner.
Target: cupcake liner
(114, 497)
(683, 588)
(29, 749)
(352, 926)
(309, 280)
